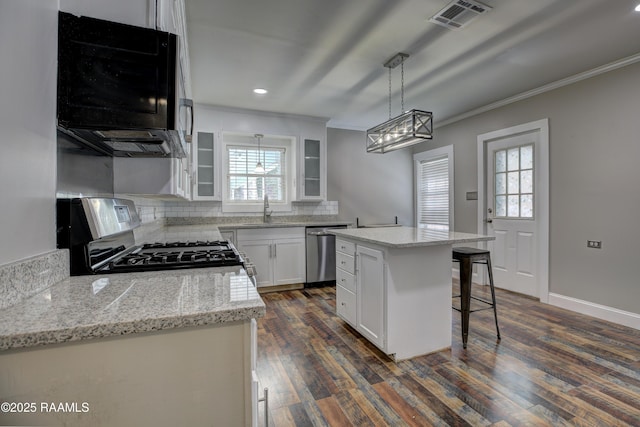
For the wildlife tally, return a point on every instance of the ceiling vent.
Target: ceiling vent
(459, 13)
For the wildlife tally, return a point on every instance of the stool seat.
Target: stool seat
(467, 256)
(468, 252)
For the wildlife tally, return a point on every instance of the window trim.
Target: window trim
(235, 139)
(434, 154)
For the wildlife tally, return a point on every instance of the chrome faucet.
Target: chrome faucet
(266, 216)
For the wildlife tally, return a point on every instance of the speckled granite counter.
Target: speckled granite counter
(85, 307)
(408, 237)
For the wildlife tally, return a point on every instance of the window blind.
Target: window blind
(244, 184)
(433, 193)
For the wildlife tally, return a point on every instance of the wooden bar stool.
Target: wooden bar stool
(467, 257)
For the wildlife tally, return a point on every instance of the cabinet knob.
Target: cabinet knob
(343, 304)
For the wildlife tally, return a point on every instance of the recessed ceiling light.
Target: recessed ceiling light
(638, 8)
(260, 91)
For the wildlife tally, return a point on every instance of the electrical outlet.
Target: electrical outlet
(596, 244)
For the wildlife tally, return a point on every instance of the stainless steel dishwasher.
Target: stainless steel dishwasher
(321, 254)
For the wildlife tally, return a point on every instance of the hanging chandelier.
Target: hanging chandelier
(409, 128)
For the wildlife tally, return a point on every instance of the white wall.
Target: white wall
(132, 12)
(210, 118)
(372, 187)
(594, 176)
(28, 48)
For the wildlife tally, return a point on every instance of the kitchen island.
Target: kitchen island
(394, 286)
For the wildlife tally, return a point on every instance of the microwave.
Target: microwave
(117, 88)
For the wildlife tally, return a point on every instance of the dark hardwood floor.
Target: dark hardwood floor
(552, 367)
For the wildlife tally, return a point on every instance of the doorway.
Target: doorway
(513, 205)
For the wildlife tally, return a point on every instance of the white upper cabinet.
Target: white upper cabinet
(206, 167)
(171, 17)
(312, 169)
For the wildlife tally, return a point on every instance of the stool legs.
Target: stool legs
(465, 297)
(493, 295)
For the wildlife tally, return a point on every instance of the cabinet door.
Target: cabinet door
(206, 184)
(260, 252)
(181, 176)
(290, 261)
(370, 294)
(312, 179)
(346, 305)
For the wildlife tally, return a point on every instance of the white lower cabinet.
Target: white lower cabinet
(175, 377)
(360, 289)
(370, 292)
(277, 253)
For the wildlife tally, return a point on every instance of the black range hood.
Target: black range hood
(116, 88)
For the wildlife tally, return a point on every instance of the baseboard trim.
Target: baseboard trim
(602, 312)
(278, 288)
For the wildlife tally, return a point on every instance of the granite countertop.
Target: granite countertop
(408, 237)
(86, 307)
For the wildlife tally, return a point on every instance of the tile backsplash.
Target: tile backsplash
(151, 210)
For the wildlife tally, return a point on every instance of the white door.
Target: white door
(516, 208)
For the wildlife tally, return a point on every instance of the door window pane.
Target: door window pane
(501, 161)
(526, 157)
(514, 196)
(526, 206)
(501, 183)
(513, 206)
(526, 181)
(514, 183)
(513, 159)
(501, 206)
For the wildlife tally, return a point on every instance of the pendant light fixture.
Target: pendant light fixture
(259, 168)
(409, 128)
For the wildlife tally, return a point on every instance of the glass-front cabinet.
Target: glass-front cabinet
(206, 185)
(312, 177)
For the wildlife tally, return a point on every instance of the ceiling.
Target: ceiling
(324, 58)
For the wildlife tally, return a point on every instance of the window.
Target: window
(244, 188)
(514, 183)
(244, 184)
(434, 188)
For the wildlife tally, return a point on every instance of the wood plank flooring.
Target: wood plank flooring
(552, 368)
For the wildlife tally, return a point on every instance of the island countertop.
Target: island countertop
(409, 237)
(86, 307)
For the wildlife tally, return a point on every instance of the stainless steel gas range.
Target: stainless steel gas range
(99, 235)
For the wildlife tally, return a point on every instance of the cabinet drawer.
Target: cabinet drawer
(345, 262)
(346, 280)
(346, 247)
(346, 305)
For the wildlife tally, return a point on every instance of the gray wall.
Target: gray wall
(373, 187)
(594, 155)
(28, 48)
